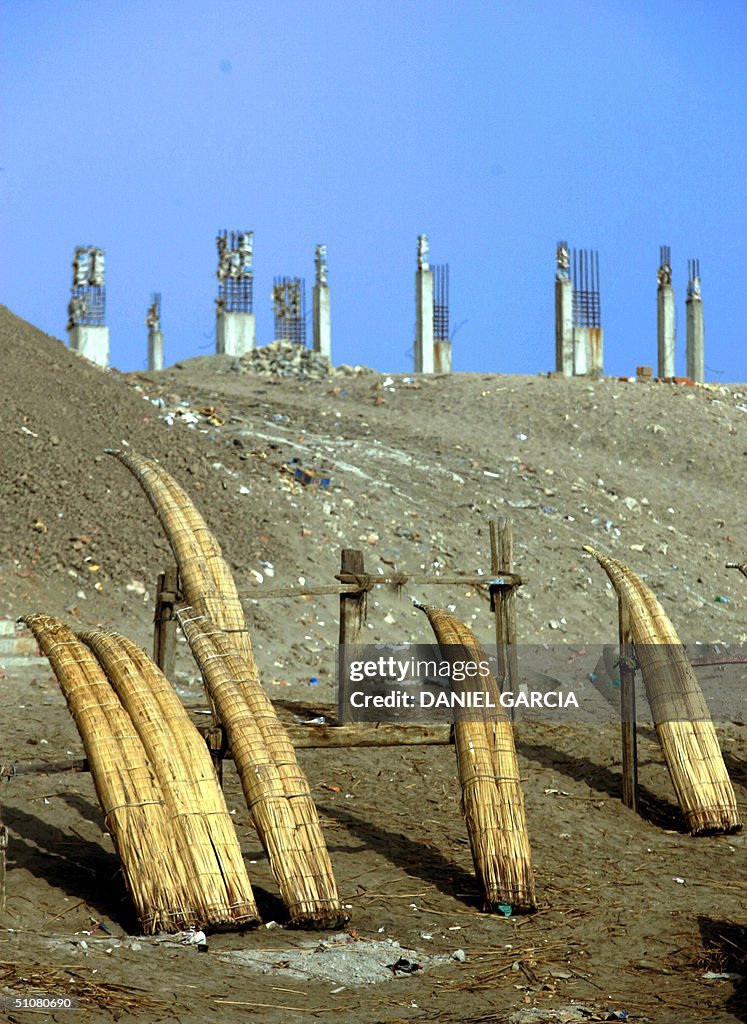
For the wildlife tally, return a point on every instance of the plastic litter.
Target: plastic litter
(309, 477)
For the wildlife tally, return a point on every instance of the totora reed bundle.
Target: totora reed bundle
(680, 713)
(206, 580)
(492, 798)
(205, 835)
(276, 790)
(209, 588)
(132, 801)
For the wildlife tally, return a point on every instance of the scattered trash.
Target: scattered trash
(459, 955)
(404, 966)
(314, 682)
(506, 909)
(309, 477)
(720, 599)
(194, 938)
(721, 976)
(678, 879)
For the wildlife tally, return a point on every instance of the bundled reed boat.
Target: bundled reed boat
(492, 798)
(679, 710)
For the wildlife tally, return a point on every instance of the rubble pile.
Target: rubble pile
(286, 359)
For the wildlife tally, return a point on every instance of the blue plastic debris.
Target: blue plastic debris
(310, 478)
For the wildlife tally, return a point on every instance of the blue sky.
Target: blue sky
(496, 128)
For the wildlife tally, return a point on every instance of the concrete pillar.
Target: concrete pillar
(155, 349)
(235, 333)
(442, 357)
(322, 321)
(581, 351)
(564, 343)
(322, 325)
(423, 311)
(695, 333)
(665, 334)
(588, 352)
(91, 342)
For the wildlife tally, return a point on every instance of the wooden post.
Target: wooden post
(3, 848)
(502, 602)
(352, 618)
(217, 742)
(627, 709)
(164, 631)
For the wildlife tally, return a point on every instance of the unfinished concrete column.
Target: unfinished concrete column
(322, 321)
(441, 339)
(588, 336)
(86, 311)
(423, 351)
(155, 335)
(694, 316)
(665, 335)
(563, 311)
(235, 325)
(289, 309)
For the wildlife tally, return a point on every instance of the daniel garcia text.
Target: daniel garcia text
(478, 699)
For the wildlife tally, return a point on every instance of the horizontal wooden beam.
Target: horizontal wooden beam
(504, 579)
(389, 734)
(322, 590)
(303, 737)
(347, 586)
(44, 767)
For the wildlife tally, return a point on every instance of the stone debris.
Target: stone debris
(341, 959)
(289, 360)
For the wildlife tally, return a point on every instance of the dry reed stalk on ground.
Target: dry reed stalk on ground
(129, 794)
(489, 774)
(275, 788)
(680, 713)
(205, 834)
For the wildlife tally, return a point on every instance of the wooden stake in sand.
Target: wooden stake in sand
(492, 798)
(681, 717)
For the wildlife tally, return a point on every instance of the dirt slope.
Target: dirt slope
(633, 912)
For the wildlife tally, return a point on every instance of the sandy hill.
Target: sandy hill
(650, 473)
